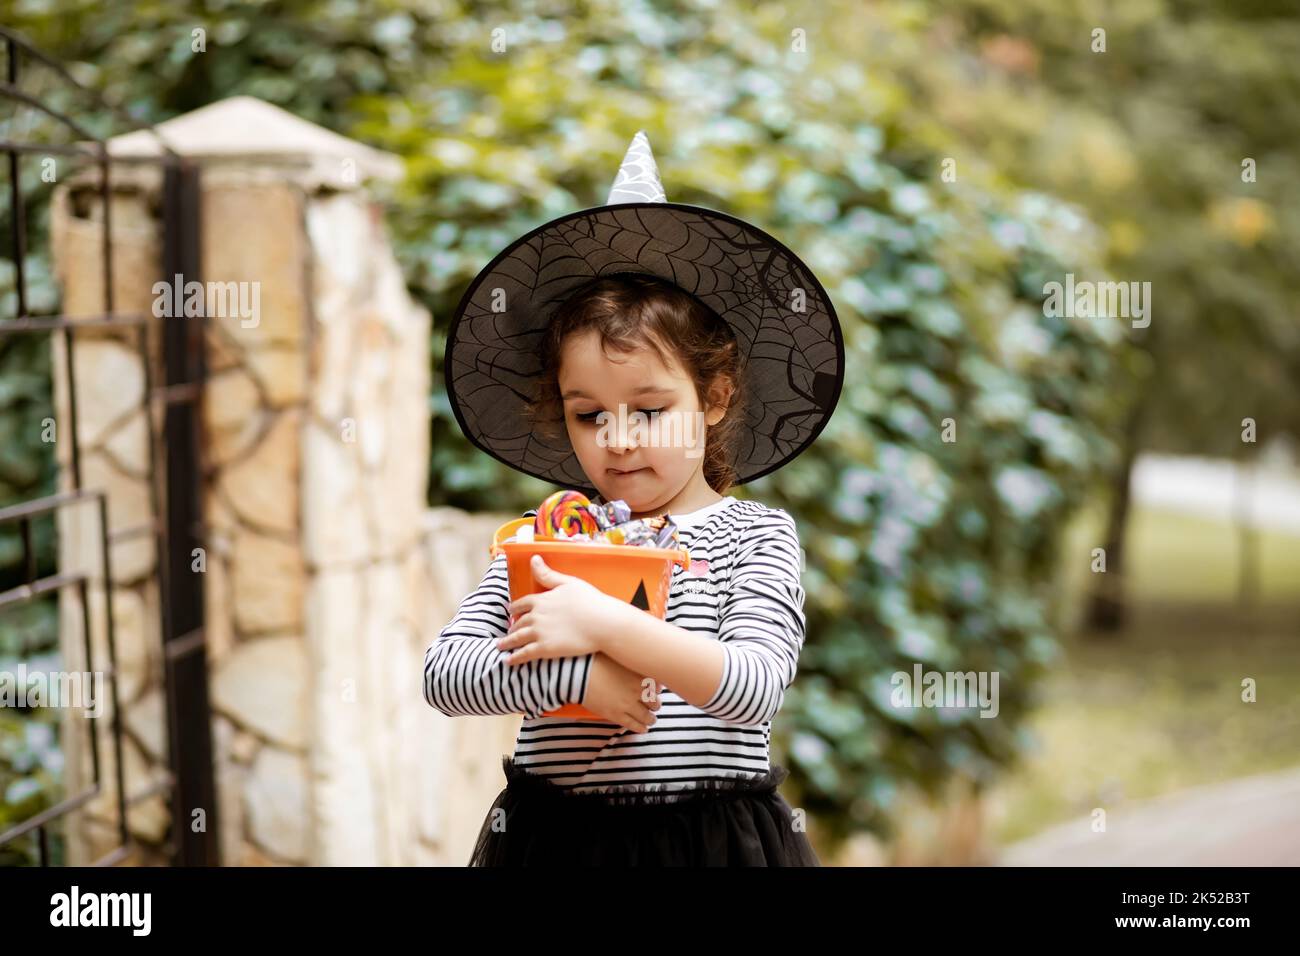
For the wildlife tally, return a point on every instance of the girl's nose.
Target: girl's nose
(620, 442)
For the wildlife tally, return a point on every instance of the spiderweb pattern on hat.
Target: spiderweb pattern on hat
(793, 360)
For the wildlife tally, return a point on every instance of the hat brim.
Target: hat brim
(793, 360)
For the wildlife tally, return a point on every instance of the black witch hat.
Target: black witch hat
(791, 346)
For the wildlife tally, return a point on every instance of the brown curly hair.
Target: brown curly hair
(629, 311)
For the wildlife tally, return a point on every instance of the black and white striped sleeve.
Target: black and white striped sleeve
(761, 622)
(465, 674)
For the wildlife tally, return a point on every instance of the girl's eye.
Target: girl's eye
(591, 416)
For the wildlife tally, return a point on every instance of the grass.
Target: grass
(1158, 707)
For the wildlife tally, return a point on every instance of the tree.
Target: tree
(1178, 141)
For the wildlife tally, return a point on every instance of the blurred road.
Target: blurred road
(1254, 821)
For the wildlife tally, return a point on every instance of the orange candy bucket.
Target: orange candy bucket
(639, 575)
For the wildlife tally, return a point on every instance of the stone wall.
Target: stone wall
(325, 576)
(318, 433)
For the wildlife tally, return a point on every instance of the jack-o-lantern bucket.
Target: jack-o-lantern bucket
(639, 575)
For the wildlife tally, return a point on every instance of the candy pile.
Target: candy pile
(571, 516)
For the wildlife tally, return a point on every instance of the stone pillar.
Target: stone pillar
(317, 573)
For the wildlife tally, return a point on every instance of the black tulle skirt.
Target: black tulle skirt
(732, 822)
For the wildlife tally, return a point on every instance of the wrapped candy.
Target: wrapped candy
(611, 513)
(667, 537)
(631, 532)
(571, 516)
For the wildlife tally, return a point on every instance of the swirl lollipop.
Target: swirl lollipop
(567, 512)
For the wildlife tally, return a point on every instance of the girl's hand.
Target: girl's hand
(622, 696)
(569, 619)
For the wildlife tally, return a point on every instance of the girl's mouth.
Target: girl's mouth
(623, 474)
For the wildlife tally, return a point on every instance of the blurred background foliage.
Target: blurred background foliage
(1124, 164)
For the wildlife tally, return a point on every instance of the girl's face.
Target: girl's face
(649, 452)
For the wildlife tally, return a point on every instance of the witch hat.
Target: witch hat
(791, 345)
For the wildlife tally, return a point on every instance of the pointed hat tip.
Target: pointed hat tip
(638, 176)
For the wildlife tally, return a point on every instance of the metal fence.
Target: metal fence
(171, 411)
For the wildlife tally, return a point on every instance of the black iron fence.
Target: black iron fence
(171, 410)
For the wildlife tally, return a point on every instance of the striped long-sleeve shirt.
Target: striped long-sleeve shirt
(743, 588)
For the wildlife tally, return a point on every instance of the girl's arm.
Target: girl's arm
(465, 674)
(742, 676)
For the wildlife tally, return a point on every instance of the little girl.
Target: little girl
(678, 770)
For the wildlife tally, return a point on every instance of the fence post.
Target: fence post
(313, 454)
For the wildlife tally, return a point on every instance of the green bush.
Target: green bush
(918, 549)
